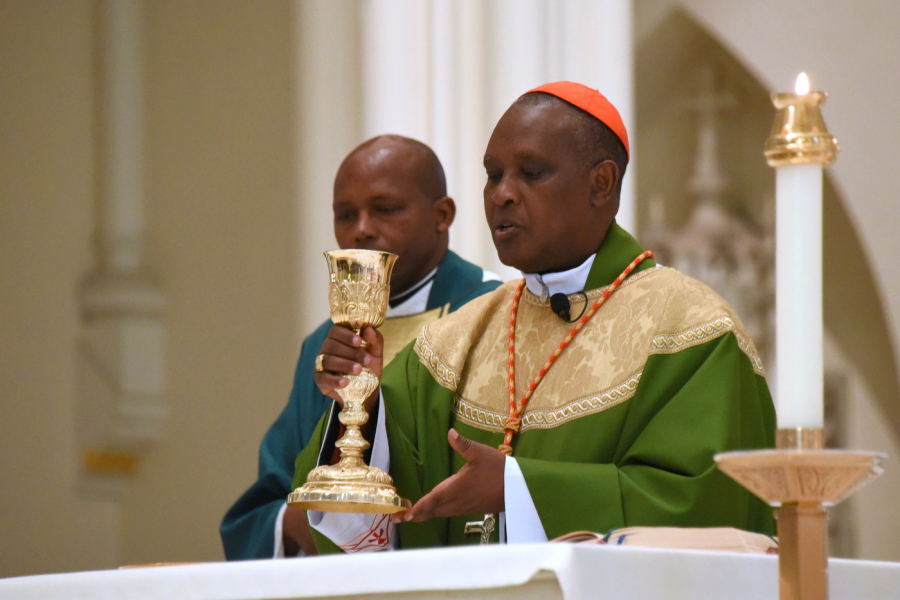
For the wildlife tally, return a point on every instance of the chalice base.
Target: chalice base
(354, 488)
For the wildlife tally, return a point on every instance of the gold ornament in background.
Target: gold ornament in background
(358, 297)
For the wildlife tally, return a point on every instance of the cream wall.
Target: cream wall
(46, 196)
(221, 181)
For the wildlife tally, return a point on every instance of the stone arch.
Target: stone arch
(666, 65)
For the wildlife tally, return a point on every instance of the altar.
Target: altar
(540, 571)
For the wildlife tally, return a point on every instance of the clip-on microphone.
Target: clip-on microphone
(559, 303)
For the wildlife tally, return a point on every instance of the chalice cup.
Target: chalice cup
(358, 297)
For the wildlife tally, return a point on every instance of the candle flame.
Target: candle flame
(801, 87)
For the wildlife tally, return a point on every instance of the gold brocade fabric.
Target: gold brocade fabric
(399, 331)
(657, 311)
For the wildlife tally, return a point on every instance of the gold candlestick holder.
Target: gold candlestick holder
(799, 134)
(358, 297)
(800, 478)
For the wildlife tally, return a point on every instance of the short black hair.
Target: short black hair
(595, 141)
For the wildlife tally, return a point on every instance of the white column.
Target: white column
(444, 81)
(444, 72)
(121, 404)
(396, 62)
(122, 142)
(519, 45)
(597, 50)
(329, 125)
(470, 236)
(501, 45)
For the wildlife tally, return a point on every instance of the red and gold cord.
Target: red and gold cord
(514, 420)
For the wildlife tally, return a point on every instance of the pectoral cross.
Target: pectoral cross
(485, 528)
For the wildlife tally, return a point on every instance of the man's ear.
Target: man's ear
(444, 213)
(604, 182)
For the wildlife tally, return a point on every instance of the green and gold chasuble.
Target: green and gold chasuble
(621, 431)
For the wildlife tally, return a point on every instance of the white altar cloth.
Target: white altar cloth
(510, 571)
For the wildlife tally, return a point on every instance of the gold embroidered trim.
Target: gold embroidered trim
(693, 336)
(593, 294)
(746, 346)
(442, 372)
(547, 419)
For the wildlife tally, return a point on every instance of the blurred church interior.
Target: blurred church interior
(165, 197)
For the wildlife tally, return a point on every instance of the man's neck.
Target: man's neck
(425, 271)
(414, 299)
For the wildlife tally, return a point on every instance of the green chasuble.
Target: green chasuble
(623, 428)
(248, 528)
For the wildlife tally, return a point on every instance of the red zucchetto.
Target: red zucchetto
(590, 101)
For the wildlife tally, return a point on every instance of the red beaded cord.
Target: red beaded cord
(514, 420)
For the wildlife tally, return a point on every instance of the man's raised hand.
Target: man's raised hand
(343, 354)
(476, 488)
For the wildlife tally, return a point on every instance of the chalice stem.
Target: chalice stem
(352, 443)
(353, 416)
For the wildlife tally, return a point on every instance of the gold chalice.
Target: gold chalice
(358, 297)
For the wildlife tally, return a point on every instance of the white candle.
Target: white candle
(798, 304)
(798, 147)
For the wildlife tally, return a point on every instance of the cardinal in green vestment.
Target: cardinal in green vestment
(390, 194)
(592, 395)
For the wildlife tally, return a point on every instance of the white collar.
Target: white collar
(415, 303)
(567, 282)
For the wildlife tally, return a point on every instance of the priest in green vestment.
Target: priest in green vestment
(613, 425)
(390, 194)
